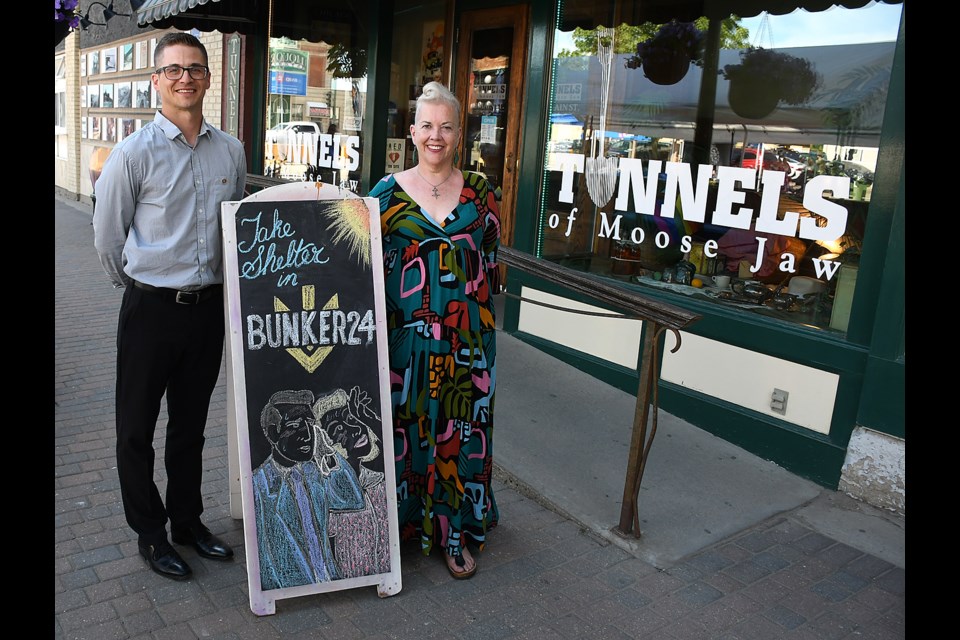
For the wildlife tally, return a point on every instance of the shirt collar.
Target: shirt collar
(171, 130)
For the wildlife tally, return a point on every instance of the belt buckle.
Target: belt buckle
(188, 297)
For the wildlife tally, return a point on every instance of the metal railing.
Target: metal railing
(659, 317)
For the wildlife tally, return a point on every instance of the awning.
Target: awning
(226, 16)
(589, 14)
(152, 10)
(327, 21)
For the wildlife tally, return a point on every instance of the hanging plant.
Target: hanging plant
(666, 57)
(65, 19)
(764, 78)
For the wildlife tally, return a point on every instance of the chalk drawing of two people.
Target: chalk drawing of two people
(321, 514)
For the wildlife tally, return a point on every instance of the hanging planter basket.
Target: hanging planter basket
(666, 67)
(752, 97)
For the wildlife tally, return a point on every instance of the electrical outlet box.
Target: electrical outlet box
(778, 402)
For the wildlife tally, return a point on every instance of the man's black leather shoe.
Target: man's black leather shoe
(206, 544)
(165, 560)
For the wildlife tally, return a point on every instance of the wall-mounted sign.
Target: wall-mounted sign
(568, 97)
(289, 60)
(318, 110)
(232, 93)
(288, 83)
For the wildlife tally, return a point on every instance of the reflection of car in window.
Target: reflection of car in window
(794, 160)
(770, 160)
(618, 148)
(297, 127)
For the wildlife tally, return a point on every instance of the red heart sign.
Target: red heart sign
(394, 156)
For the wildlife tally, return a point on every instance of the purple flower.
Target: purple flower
(66, 11)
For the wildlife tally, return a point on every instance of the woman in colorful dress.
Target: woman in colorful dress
(441, 232)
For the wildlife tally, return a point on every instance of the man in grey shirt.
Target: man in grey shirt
(157, 231)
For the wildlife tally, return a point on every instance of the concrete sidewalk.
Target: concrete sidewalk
(732, 546)
(566, 437)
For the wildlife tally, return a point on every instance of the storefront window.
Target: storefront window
(315, 109)
(417, 58)
(60, 106)
(731, 160)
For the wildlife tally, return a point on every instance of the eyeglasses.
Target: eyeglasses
(175, 72)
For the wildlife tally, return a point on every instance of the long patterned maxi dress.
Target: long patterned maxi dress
(440, 279)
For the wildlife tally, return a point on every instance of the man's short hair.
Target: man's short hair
(179, 37)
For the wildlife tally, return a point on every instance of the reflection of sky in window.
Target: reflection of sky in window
(876, 22)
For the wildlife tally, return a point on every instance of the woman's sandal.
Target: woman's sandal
(460, 562)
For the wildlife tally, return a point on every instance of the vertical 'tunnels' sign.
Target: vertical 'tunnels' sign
(232, 97)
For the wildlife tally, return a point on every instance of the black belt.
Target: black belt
(182, 297)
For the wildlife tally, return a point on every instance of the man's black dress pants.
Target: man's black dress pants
(164, 347)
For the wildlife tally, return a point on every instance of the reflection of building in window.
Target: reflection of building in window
(323, 84)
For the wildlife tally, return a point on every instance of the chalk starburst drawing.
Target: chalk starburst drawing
(350, 224)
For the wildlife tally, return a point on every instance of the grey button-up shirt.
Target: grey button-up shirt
(157, 213)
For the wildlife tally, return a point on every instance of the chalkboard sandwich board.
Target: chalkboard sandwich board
(308, 379)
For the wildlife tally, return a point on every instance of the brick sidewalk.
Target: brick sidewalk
(542, 575)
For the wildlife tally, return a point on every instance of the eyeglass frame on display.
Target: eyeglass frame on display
(188, 70)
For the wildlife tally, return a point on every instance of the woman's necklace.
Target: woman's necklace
(436, 192)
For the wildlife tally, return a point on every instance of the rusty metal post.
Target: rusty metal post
(656, 316)
(638, 442)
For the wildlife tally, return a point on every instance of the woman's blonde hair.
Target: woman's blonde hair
(436, 93)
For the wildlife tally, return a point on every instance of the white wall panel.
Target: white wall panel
(748, 378)
(612, 339)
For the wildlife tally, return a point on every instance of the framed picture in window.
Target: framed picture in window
(83, 65)
(94, 60)
(127, 127)
(110, 134)
(150, 49)
(124, 97)
(83, 95)
(93, 95)
(141, 59)
(126, 57)
(142, 94)
(106, 96)
(83, 127)
(95, 128)
(110, 60)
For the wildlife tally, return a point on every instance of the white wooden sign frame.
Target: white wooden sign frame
(263, 601)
